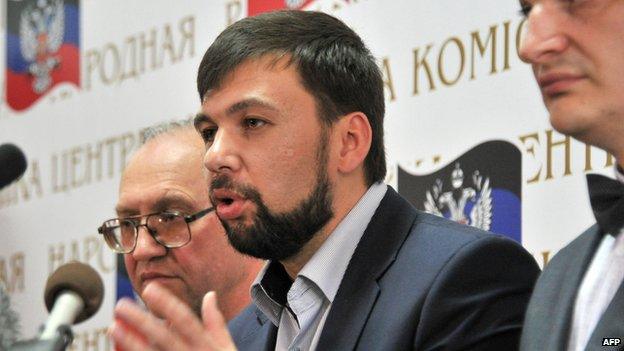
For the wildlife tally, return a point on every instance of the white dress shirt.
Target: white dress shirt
(299, 310)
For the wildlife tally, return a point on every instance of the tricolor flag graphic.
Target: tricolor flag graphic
(255, 7)
(43, 48)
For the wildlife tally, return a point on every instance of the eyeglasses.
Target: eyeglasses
(169, 229)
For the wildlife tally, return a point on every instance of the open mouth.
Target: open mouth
(229, 204)
(224, 197)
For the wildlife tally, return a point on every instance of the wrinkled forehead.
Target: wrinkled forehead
(138, 199)
(162, 172)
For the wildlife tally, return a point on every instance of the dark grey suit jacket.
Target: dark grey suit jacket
(417, 281)
(549, 316)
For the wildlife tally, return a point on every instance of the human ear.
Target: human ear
(355, 141)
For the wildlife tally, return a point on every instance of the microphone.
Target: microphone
(9, 321)
(73, 293)
(12, 164)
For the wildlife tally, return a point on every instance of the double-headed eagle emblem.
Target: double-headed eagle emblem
(42, 27)
(454, 201)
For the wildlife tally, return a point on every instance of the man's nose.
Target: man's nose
(223, 155)
(544, 35)
(146, 246)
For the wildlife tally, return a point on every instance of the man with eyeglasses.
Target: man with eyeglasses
(576, 49)
(167, 229)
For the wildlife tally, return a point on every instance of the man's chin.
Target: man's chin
(262, 248)
(173, 285)
(241, 238)
(575, 122)
(167, 282)
(182, 294)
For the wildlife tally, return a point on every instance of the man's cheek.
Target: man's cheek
(131, 271)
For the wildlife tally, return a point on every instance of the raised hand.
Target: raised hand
(179, 329)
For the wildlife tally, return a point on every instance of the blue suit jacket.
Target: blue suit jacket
(417, 281)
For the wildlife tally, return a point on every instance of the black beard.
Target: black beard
(278, 236)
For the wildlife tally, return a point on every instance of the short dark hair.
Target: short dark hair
(335, 66)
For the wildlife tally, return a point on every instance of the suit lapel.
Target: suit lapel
(358, 290)
(611, 324)
(268, 334)
(570, 281)
(259, 332)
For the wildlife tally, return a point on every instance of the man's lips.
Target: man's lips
(229, 204)
(151, 276)
(557, 82)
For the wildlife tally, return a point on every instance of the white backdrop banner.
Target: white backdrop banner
(467, 136)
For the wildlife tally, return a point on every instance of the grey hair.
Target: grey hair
(151, 132)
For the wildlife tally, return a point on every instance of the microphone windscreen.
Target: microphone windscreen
(9, 321)
(12, 164)
(81, 279)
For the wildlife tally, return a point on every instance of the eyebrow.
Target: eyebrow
(247, 103)
(125, 212)
(233, 109)
(201, 118)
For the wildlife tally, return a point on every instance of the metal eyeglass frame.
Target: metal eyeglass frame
(136, 221)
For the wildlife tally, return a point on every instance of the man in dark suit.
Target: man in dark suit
(292, 117)
(576, 51)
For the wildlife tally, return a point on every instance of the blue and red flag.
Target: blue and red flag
(43, 48)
